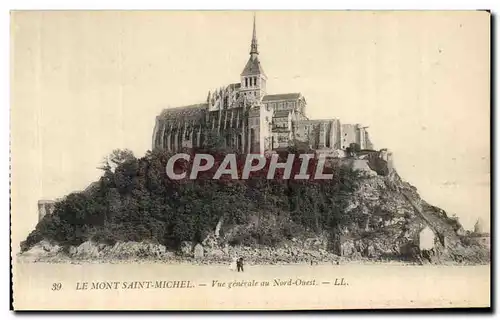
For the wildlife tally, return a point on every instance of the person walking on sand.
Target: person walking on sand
(239, 264)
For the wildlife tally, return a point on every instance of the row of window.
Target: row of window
(173, 142)
(251, 82)
(250, 93)
(170, 143)
(285, 105)
(283, 139)
(280, 125)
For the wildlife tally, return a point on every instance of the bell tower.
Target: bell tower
(253, 78)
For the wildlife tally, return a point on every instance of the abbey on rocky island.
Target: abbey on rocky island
(253, 121)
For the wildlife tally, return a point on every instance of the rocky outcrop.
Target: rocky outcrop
(43, 249)
(293, 251)
(95, 251)
(361, 165)
(391, 218)
(384, 218)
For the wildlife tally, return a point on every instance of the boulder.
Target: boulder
(363, 167)
(214, 253)
(85, 250)
(186, 247)
(347, 248)
(370, 251)
(198, 251)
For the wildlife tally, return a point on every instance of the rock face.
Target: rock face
(393, 216)
(390, 217)
(294, 251)
(94, 251)
(363, 166)
(186, 247)
(42, 249)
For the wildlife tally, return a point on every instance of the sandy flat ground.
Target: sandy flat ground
(155, 286)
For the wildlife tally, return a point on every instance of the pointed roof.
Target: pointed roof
(194, 110)
(254, 46)
(253, 66)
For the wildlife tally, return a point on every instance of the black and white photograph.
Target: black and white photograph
(250, 160)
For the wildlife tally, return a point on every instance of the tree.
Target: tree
(213, 141)
(136, 201)
(297, 147)
(116, 158)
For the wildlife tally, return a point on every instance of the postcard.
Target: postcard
(240, 160)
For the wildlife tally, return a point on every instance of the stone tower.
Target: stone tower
(253, 78)
(45, 207)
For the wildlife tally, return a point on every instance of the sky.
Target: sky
(85, 83)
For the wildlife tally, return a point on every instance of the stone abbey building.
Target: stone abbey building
(251, 120)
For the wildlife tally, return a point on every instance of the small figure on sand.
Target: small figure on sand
(239, 264)
(233, 264)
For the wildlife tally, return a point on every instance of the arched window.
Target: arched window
(164, 140)
(246, 82)
(195, 137)
(255, 81)
(240, 143)
(252, 140)
(172, 140)
(202, 139)
(179, 140)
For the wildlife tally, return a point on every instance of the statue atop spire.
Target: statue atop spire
(254, 47)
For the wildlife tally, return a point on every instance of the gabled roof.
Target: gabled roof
(253, 67)
(186, 111)
(283, 96)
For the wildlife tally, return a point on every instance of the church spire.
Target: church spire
(253, 48)
(253, 67)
